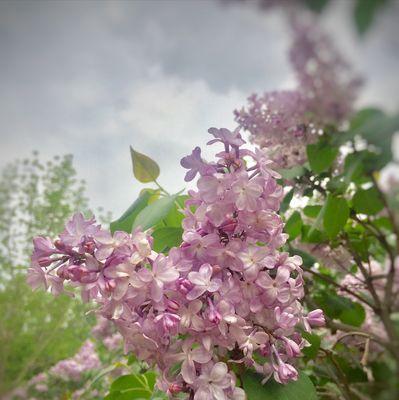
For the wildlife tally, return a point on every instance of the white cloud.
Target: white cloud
(163, 117)
(92, 78)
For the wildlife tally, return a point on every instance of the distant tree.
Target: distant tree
(36, 329)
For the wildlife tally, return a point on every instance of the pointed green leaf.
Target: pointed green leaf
(316, 6)
(312, 211)
(294, 225)
(125, 222)
(167, 237)
(364, 14)
(175, 216)
(377, 128)
(311, 351)
(353, 315)
(126, 382)
(144, 168)
(318, 223)
(335, 216)
(342, 308)
(286, 201)
(321, 156)
(367, 201)
(292, 173)
(154, 212)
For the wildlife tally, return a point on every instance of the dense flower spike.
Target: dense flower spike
(225, 297)
(285, 122)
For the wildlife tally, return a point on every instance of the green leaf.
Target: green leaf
(125, 222)
(167, 237)
(312, 211)
(286, 201)
(321, 156)
(315, 341)
(130, 394)
(131, 359)
(335, 216)
(302, 389)
(381, 371)
(337, 185)
(175, 217)
(292, 173)
(154, 212)
(353, 315)
(311, 235)
(125, 382)
(144, 168)
(342, 308)
(384, 223)
(150, 377)
(360, 243)
(377, 128)
(354, 166)
(352, 373)
(364, 14)
(316, 6)
(367, 201)
(158, 395)
(128, 387)
(307, 259)
(294, 225)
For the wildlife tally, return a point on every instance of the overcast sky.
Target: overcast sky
(91, 78)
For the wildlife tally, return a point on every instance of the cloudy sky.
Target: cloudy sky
(91, 78)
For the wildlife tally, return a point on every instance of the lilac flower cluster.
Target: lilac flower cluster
(71, 369)
(285, 122)
(378, 274)
(225, 300)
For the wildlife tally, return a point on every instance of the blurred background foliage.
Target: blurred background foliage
(36, 329)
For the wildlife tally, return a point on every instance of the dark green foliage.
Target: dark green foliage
(302, 389)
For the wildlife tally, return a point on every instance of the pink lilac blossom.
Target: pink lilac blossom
(113, 342)
(335, 258)
(103, 328)
(72, 369)
(227, 295)
(356, 282)
(285, 122)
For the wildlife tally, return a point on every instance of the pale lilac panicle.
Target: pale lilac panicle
(72, 369)
(103, 328)
(41, 387)
(285, 122)
(356, 283)
(113, 342)
(324, 78)
(227, 293)
(278, 122)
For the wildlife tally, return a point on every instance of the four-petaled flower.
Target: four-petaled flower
(160, 274)
(275, 289)
(202, 282)
(212, 382)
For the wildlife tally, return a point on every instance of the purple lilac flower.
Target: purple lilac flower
(285, 122)
(227, 293)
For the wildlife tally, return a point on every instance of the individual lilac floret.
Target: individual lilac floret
(195, 165)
